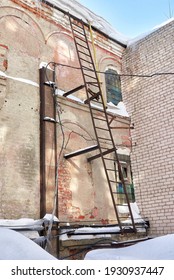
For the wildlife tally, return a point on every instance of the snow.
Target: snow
(120, 109)
(90, 233)
(83, 13)
(23, 223)
(29, 82)
(45, 65)
(159, 248)
(143, 35)
(135, 213)
(103, 232)
(123, 151)
(50, 217)
(15, 246)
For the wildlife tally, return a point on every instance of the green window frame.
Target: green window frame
(113, 86)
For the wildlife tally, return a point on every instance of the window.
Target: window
(113, 86)
(121, 199)
(126, 172)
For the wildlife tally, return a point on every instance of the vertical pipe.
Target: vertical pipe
(42, 145)
(55, 150)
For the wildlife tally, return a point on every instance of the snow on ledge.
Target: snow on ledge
(26, 81)
(90, 233)
(22, 223)
(50, 217)
(120, 109)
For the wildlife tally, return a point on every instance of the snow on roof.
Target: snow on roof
(81, 12)
(15, 246)
(159, 248)
(145, 34)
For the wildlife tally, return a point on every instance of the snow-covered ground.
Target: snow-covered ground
(159, 248)
(15, 246)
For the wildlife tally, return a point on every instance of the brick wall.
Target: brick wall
(33, 34)
(149, 102)
(83, 191)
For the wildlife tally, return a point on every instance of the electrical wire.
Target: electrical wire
(114, 74)
(87, 248)
(99, 72)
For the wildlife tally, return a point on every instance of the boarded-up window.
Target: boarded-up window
(113, 86)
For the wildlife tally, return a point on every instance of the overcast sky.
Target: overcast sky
(132, 17)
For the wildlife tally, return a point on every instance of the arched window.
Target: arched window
(113, 86)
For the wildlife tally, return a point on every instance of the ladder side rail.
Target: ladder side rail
(111, 136)
(119, 166)
(95, 131)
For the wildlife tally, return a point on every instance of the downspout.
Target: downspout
(42, 146)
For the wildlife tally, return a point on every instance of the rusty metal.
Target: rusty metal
(98, 96)
(42, 146)
(73, 90)
(81, 151)
(47, 91)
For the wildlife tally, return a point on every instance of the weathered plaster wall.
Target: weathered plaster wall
(19, 116)
(30, 35)
(83, 191)
(149, 102)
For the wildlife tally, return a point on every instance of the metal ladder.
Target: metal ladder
(105, 144)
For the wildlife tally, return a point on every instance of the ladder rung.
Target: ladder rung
(79, 38)
(113, 181)
(105, 138)
(85, 54)
(87, 68)
(82, 46)
(104, 148)
(74, 26)
(109, 169)
(93, 93)
(111, 159)
(94, 84)
(102, 128)
(73, 23)
(101, 154)
(90, 76)
(81, 58)
(77, 31)
(100, 119)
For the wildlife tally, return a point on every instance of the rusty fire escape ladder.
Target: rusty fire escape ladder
(106, 146)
